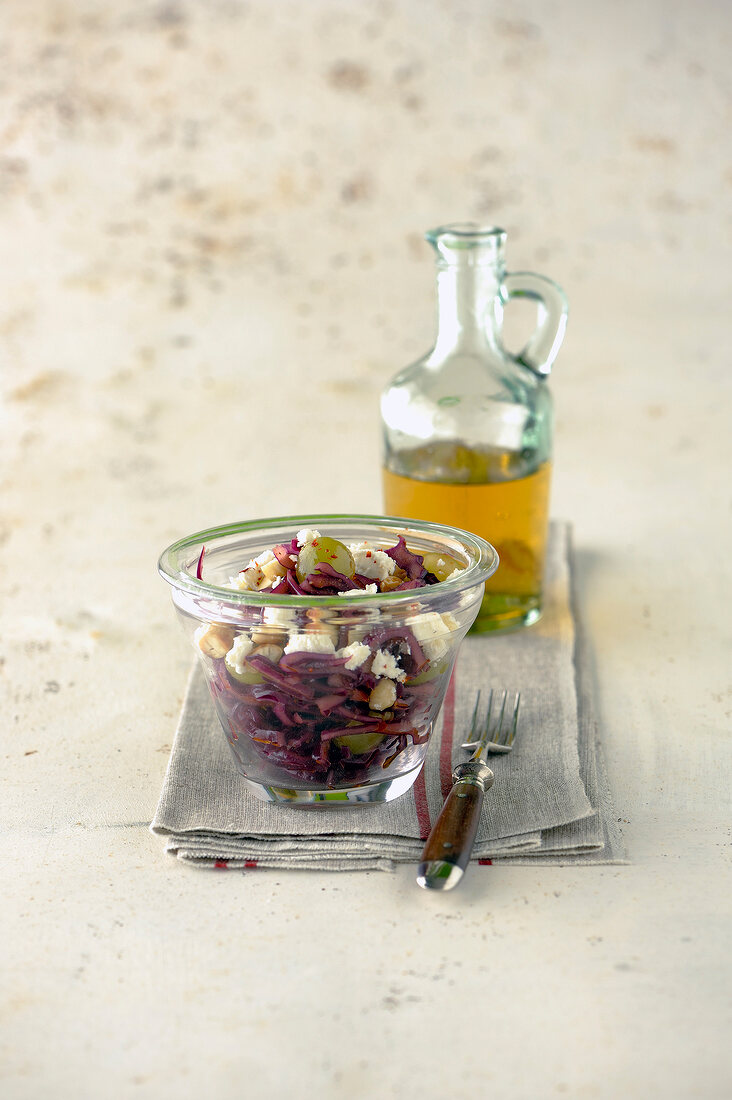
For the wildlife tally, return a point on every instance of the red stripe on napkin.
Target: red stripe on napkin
(485, 862)
(448, 727)
(420, 804)
(420, 789)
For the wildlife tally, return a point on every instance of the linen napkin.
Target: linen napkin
(550, 801)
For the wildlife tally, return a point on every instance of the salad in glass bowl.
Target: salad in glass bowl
(328, 643)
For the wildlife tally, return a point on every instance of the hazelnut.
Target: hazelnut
(383, 695)
(270, 651)
(216, 640)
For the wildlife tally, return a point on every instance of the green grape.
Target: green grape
(359, 742)
(324, 551)
(442, 565)
(430, 673)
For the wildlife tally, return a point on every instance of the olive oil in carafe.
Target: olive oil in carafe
(489, 492)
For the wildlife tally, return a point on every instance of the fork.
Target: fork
(447, 851)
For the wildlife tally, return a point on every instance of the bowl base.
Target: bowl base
(367, 794)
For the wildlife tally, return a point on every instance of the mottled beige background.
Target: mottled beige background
(211, 261)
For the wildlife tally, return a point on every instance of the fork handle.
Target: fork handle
(447, 851)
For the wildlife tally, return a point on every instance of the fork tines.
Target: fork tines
(500, 732)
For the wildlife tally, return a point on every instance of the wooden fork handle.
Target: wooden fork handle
(447, 852)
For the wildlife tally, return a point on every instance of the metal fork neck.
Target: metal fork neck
(475, 771)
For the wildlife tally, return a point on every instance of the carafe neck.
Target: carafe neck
(469, 273)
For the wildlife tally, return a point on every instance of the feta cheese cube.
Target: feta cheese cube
(261, 572)
(242, 647)
(385, 664)
(371, 562)
(310, 643)
(240, 582)
(307, 535)
(369, 590)
(432, 631)
(356, 653)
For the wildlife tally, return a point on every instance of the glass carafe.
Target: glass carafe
(467, 429)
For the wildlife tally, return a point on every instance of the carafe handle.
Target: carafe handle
(541, 350)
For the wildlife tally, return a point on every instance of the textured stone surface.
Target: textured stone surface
(211, 220)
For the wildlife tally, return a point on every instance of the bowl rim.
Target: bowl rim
(175, 561)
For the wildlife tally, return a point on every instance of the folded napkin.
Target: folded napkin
(550, 801)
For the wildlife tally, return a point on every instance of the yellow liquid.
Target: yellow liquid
(512, 515)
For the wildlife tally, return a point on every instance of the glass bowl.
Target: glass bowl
(324, 699)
